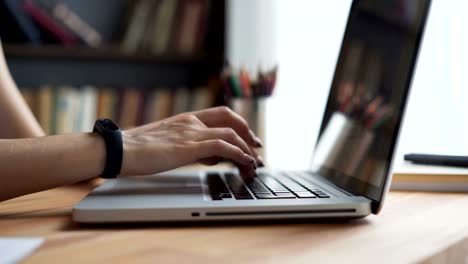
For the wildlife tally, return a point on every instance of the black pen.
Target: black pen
(440, 160)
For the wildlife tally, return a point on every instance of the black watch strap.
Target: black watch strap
(112, 135)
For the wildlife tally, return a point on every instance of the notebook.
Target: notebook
(414, 177)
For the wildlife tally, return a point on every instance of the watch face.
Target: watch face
(108, 124)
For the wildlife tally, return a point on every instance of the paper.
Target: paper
(420, 169)
(14, 249)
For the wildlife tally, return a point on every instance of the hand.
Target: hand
(206, 136)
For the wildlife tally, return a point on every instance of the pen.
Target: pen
(441, 160)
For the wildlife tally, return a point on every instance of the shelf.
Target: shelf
(108, 54)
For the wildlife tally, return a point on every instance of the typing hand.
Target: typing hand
(206, 136)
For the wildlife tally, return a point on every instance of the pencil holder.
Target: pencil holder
(343, 145)
(253, 111)
(246, 96)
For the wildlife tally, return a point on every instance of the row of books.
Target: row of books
(158, 26)
(37, 21)
(65, 109)
(161, 26)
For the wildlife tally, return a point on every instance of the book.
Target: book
(29, 97)
(107, 103)
(413, 177)
(162, 22)
(45, 108)
(141, 109)
(181, 101)
(129, 109)
(66, 109)
(191, 26)
(150, 107)
(150, 25)
(163, 104)
(16, 25)
(203, 97)
(138, 20)
(87, 109)
(48, 23)
(74, 23)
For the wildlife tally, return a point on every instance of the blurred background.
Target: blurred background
(134, 61)
(304, 40)
(138, 61)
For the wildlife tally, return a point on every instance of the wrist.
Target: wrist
(99, 150)
(81, 156)
(128, 159)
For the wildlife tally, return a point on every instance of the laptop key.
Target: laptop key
(322, 196)
(305, 195)
(243, 196)
(282, 192)
(239, 189)
(225, 195)
(266, 196)
(216, 197)
(217, 188)
(257, 187)
(285, 195)
(271, 196)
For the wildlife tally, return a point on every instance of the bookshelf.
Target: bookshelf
(80, 61)
(112, 66)
(31, 66)
(115, 54)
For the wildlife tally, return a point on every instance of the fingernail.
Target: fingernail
(258, 143)
(253, 164)
(255, 140)
(260, 162)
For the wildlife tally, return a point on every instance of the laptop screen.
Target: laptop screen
(368, 94)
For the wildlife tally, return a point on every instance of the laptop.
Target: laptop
(350, 172)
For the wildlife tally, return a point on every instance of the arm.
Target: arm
(208, 136)
(36, 164)
(16, 119)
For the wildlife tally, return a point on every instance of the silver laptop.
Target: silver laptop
(350, 172)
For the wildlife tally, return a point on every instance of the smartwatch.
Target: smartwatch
(112, 135)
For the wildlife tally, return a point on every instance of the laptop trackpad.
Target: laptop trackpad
(163, 184)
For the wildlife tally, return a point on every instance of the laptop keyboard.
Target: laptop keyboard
(265, 186)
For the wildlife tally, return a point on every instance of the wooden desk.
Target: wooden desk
(412, 227)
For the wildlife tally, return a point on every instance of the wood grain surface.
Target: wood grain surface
(412, 227)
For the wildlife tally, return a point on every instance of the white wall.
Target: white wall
(304, 36)
(437, 116)
(251, 34)
(309, 35)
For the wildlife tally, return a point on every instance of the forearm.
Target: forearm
(16, 119)
(37, 164)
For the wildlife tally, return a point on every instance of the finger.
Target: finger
(258, 142)
(220, 148)
(211, 161)
(227, 134)
(257, 157)
(246, 174)
(225, 117)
